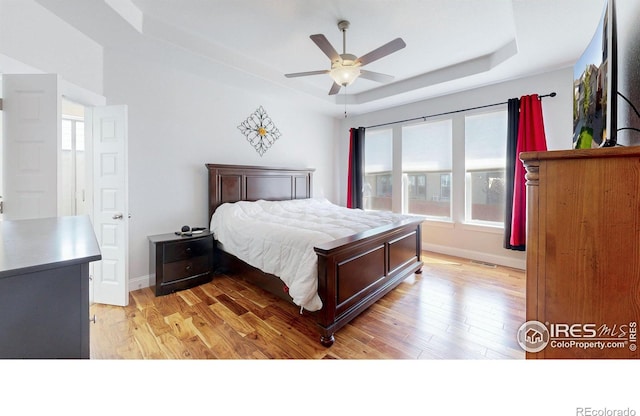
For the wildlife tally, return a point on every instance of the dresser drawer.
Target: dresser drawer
(185, 268)
(186, 249)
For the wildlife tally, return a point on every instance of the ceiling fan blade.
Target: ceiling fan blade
(304, 74)
(384, 50)
(326, 47)
(375, 76)
(335, 88)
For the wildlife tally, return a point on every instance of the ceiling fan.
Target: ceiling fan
(345, 67)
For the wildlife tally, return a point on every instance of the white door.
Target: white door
(110, 203)
(31, 121)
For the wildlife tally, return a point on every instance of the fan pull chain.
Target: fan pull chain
(345, 101)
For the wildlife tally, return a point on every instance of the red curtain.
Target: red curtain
(356, 168)
(350, 173)
(531, 138)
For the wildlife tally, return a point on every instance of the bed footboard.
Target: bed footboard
(354, 272)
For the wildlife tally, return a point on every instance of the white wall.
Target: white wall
(33, 36)
(479, 243)
(178, 121)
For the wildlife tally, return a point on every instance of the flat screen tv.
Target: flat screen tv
(595, 87)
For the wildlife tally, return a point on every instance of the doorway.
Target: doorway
(93, 177)
(72, 193)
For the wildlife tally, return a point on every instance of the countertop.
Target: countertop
(28, 246)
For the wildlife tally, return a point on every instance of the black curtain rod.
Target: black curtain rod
(553, 94)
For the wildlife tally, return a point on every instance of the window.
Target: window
(72, 162)
(485, 156)
(426, 168)
(378, 179)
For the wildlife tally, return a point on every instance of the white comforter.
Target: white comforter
(279, 237)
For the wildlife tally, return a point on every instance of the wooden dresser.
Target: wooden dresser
(44, 287)
(583, 251)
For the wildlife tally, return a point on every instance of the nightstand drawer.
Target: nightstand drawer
(186, 249)
(184, 268)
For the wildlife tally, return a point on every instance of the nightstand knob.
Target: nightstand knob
(93, 319)
(188, 268)
(188, 250)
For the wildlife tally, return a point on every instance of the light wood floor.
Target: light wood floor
(455, 309)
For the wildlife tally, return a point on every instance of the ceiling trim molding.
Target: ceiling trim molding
(463, 69)
(129, 12)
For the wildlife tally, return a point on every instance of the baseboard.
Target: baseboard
(138, 283)
(476, 255)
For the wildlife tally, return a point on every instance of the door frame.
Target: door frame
(85, 98)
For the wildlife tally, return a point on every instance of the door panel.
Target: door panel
(110, 200)
(32, 125)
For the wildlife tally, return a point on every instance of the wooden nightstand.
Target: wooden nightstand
(179, 262)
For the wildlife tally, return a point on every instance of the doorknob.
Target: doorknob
(117, 216)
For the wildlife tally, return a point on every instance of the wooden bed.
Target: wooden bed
(353, 272)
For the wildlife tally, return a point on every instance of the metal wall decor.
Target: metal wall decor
(260, 130)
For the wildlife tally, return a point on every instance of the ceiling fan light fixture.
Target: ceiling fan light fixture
(345, 67)
(344, 74)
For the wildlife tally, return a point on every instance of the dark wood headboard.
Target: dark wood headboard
(232, 183)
